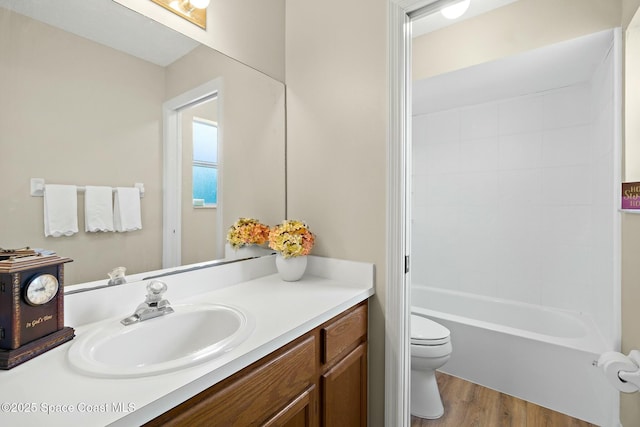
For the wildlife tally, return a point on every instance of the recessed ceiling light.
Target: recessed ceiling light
(456, 10)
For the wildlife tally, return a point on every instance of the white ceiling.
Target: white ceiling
(111, 24)
(436, 21)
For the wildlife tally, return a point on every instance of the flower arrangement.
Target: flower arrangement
(291, 238)
(247, 231)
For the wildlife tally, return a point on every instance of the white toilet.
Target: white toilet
(430, 350)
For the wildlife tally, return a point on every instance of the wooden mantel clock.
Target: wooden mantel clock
(31, 308)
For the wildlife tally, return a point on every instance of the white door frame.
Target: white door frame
(172, 169)
(397, 350)
(398, 292)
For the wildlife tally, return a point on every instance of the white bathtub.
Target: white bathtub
(538, 354)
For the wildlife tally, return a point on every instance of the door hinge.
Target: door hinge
(406, 264)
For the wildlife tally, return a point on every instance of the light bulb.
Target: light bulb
(199, 4)
(455, 10)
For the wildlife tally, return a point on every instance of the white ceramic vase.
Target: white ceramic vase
(291, 269)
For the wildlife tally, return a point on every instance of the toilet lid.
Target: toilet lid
(427, 332)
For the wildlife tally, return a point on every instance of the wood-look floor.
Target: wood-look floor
(470, 405)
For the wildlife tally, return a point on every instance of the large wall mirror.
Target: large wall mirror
(83, 87)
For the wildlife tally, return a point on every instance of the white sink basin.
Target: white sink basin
(192, 334)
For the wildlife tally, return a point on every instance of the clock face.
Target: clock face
(41, 289)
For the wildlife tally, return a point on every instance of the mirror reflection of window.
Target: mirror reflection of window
(205, 163)
(200, 134)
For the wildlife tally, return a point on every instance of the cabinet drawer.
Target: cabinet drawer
(253, 395)
(343, 333)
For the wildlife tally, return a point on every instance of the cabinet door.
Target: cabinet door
(344, 391)
(301, 412)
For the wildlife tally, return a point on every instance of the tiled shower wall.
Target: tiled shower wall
(514, 198)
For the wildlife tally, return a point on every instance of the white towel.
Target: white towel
(126, 210)
(98, 209)
(60, 210)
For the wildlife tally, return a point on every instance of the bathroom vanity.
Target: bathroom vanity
(303, 363)
(317, 379)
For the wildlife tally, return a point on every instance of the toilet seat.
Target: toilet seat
(427, 332)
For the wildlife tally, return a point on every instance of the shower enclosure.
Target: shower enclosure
(515, 190)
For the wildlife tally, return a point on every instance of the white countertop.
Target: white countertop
(47, 390)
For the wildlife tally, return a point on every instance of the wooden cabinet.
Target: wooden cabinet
(343, 378)
(301, 412)
(319, 379)
(344, 391)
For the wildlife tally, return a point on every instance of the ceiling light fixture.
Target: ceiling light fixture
(188, 6)
(194, 11)
(199, 4)
(455, 10)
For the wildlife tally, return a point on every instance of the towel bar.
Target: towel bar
(37, 187)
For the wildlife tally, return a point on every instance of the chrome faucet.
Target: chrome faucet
(154, 304)
(116, 276)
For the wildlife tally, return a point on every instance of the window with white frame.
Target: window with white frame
(205, 163)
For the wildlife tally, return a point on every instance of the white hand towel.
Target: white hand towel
(126, 211)
(98, 209)
(60, 210)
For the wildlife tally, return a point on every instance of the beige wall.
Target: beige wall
(629, 8)
(251, 31)
(630, 403)
(517, 27)
(632, 101)
(336, 142)
(74, 112)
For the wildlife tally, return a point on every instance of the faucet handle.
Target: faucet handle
(116, 276)
(155, 290)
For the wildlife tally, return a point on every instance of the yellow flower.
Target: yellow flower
(247, 231)
(291, 238)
